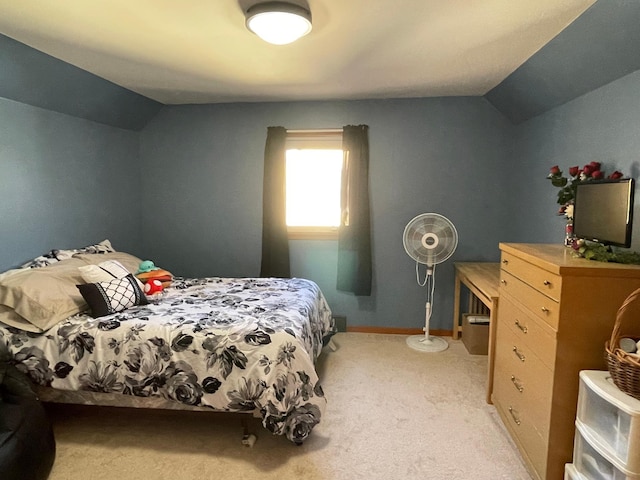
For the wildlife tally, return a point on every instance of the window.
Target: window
(313, 182)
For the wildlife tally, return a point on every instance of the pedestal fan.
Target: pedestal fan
(429, 239)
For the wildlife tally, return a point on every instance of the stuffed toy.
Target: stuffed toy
(153, 287)
(148, 271)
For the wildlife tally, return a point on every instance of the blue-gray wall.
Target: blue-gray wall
(202, 188)
(65, 182)
(35, 78)
(69, 167)
(185, 188)
(600, 46)
(602, 126)
(186, 191)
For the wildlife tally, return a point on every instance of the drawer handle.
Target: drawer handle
(523, 328)
(545, 309)
(514, 415)
(503, 281)
(518, 354)
(517, 384)
(505, 261)
(546, 283)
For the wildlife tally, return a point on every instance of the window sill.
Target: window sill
(312, 233)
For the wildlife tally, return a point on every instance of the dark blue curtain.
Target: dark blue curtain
(354, 234)
(275, 240)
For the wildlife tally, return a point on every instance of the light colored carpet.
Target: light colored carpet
(393, 413)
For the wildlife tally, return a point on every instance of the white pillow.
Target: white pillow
(104, 272)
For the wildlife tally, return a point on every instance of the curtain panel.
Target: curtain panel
(354, 233)
(275, 240)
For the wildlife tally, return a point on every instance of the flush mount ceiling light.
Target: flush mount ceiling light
(278, 22)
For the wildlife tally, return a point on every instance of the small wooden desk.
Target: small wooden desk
(482, 280)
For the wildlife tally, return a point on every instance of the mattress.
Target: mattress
(225, 344)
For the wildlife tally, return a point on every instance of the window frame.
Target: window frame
(321, 139)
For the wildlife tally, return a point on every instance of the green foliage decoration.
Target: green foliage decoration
(601, 253)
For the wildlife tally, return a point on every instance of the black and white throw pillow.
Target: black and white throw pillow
(55, 256)
(98, 248)
(105, 298)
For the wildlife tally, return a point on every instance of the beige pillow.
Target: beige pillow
(8, 316)
(130, 262)
(44, 296)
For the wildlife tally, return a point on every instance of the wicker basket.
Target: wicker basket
(623, 367)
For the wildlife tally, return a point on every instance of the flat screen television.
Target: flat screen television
(603, 211)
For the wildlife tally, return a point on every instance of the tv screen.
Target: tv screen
(603, 211)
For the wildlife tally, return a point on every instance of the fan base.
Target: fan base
(422, 343)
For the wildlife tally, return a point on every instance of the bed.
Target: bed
(244, 345)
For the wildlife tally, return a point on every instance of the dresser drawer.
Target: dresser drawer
(526, 380)
(533, 445)
(532, 300)
(535, 334)
(573, 299)
(542, 280)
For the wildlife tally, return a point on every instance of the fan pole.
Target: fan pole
(427, 343)
(427, 317)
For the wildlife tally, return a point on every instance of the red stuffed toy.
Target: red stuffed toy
(152, 287)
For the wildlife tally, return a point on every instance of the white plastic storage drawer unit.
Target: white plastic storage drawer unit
(607, 442)
(571, 473)
(592, 464)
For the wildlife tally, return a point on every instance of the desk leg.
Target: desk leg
(456, 309)
(493, 314)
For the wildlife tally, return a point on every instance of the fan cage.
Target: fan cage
(430, 238)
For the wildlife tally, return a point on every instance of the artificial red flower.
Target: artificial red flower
(567, 185)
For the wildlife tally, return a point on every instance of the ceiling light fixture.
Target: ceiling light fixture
(278, 22)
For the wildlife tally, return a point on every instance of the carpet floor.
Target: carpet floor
(393, 413)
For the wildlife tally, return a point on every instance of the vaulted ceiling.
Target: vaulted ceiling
(524, 56)
(196, 51)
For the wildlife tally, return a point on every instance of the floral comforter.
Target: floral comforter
(236, 345)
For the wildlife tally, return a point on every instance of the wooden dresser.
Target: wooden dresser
(556, 312)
